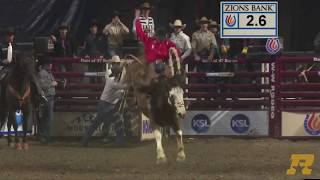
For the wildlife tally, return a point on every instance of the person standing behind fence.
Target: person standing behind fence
(95, 43)
(203, 44)
(116, 32)
(95, 46)
(181, 40)
(220, 51)
(48, 84)
(64, 45)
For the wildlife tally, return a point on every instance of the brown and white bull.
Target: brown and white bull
(160, 99)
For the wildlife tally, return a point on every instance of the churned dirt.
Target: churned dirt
(216, 158)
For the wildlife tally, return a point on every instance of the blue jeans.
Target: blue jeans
(46, 118)
(105, 114)
(159, 67)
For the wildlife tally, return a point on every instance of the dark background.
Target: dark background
(298, 19)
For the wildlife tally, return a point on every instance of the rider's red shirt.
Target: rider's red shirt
(153, 47)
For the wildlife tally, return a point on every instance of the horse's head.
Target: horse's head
(23, 64)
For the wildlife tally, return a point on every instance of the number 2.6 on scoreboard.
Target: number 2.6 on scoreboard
(255, 19)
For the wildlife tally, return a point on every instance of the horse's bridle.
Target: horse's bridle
(16, 94)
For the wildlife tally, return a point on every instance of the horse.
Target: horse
(18, 97)
(160, 99)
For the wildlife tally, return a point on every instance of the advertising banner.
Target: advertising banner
(300, 124)
(242, 123)
(145, 129)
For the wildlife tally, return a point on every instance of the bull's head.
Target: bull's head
(176, 97)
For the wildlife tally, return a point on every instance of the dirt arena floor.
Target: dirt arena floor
(216, 158)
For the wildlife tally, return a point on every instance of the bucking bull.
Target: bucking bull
(160, 98)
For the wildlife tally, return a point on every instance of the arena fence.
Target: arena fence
(262, 97)
(297, 100)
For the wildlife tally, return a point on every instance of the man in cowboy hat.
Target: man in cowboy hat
(222, 44)
(147, 22)
(106, 111)
(181, 40)
(64, 44)
(8, 47)
(95, 43)
(116, 32)
(48, 85)
(6, 56)
(203, 44)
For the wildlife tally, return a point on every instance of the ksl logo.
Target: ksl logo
(304, 161)
(200, 123)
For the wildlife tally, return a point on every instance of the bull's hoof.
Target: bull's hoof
(181, 157)
(25, 146)
(18, 146)
(161, 160)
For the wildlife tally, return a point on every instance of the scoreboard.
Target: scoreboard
(256, 19)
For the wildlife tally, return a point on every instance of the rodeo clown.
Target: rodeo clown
(107, 110)
(158, 51)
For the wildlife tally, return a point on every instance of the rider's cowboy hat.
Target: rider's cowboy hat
(203, 20)
(213, 23)
(145, 5)
(177, 23)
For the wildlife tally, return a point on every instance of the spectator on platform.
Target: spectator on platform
(146, 20)
(222, 44)
(107, 113)
(64, 44)
(203, 44)
(220, 51)
(95, 45)
(48, 84)
(116, 32)
(181, 40)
